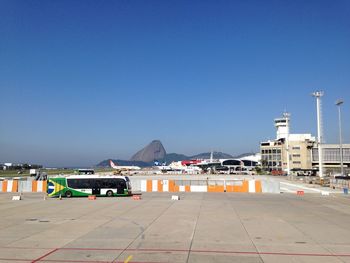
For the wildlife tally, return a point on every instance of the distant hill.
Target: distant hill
(244, 155)
(153, 151)
(216, 155)
(174, 157)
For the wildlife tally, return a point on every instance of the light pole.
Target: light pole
(339, 103)
(286, 115)
(318, 95)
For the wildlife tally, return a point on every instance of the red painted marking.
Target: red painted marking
(213, 251)
(15, 259)
(44, 256)
(74, 261)
(179, 250)
(79, 261)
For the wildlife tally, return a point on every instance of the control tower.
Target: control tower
(282, 126)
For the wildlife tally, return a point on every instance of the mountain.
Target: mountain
(153, 151)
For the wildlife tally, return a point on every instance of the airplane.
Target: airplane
(162, 166)
(123, 167)
(181, 166)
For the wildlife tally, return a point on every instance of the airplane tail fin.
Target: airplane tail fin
(112, 164)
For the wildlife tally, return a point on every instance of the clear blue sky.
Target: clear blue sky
(83, 81)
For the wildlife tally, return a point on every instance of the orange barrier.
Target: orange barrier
(39, 186)
(237, 186)
(216, 188)
(149, 185)
(171, 186)
(9, 186)
(160, 186)
(258, 187)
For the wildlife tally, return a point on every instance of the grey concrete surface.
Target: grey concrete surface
(200, 227)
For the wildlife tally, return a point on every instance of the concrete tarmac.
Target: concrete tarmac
(200, 227)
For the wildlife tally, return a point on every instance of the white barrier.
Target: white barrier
(269, 186)
(25, 186)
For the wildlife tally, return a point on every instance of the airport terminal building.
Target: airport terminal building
(303, 152)
(331, 157)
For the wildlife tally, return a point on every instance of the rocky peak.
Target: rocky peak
(153, 151)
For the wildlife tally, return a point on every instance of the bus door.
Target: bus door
(121, 186)
(96, 187)
(96, 191)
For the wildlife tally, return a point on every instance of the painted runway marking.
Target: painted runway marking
(287, 190)
(302, 187)
(128, 259)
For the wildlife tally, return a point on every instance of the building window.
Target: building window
(296, 148)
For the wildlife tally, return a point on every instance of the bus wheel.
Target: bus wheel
(69, 194)
(109, 193)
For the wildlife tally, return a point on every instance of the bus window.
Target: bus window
(108, 183)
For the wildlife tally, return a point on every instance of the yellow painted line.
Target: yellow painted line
(128, 259)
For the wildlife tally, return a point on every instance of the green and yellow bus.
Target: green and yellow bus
(85, 185)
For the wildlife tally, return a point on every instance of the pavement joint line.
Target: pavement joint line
(44, 256)
(316, 214)
(112, 219)
(245, 229)
(63, 209)
(144, 230)
(194, 230)
(104, 207)
(316, 242)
